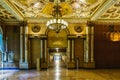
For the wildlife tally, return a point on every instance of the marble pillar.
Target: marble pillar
(89, 48)
(41, 49)
(92, 44)
(24, 52)
(44, 64)
(45, 49)
(26, 43)
(68, 51)
(71, 63)
(21, 44)
(72, 52)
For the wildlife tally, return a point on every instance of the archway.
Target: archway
(57, 45)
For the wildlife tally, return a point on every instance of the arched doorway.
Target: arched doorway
(57, 45)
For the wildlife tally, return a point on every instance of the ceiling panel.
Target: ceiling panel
(6, 15)
(113, 12)
(70, 8)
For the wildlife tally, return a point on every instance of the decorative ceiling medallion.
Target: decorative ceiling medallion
(36, 28)
(78, 29)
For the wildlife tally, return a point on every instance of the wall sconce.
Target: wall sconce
(112, 34)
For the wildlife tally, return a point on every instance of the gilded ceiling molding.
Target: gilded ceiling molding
(106, 22)
(16, 23)
(44, 20)
(12, 9)
(102, 8)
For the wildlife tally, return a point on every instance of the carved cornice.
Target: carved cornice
(44, 20)
(106, 22)
(37, 36)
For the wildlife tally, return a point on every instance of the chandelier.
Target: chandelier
(112, 34)
(57, 23)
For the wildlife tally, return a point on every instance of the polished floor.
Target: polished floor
(58, 72)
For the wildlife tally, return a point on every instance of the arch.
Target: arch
(67, 31)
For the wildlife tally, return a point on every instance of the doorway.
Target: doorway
(34, 51)
(57, 58)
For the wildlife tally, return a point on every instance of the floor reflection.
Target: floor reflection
(4, 74)
(57, 71)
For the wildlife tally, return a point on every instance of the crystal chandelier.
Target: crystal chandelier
(56, 23)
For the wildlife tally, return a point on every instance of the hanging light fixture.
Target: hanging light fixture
(112, 34)
(56, 23)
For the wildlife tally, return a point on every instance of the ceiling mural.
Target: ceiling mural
(70, 9)
(84, 8)
(30, 8)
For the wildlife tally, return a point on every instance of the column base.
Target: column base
(23, 65)
(89, 65)
(1, 65)
(71, 65)
(44, 65)
(9, 65)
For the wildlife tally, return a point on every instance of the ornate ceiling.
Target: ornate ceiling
(73, 10)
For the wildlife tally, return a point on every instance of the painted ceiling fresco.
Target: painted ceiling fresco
(17, 9)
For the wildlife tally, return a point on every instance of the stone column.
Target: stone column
(72, 54)
(24, 50)
(68, 51)
(89, 58)
(85, 51)
(71, 63)
(26, 43)
(45, 49)
(92, 44)
(21, 44)
(44, 64)
(89, 44)
(41, 47)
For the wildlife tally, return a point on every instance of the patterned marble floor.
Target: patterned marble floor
(58, 73)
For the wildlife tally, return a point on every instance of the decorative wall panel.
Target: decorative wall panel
(57, 40)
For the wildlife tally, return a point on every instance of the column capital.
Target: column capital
(23, 23)
(90, 23)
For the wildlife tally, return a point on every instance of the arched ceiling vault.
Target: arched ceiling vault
(74, 11)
